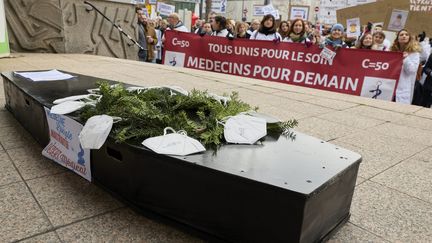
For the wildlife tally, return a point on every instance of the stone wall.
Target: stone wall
(64, 26)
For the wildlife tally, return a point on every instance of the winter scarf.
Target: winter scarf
(297, 37)
(266, 31)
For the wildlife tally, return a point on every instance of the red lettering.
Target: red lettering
(59, 138)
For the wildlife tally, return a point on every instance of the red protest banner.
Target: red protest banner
(358, 72)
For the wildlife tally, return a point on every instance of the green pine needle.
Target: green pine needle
(146, 114)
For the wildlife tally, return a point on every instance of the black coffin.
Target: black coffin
(282, 190)
(25, 99)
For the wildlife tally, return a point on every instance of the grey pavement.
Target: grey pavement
(40, 201)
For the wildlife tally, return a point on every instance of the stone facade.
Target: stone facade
(65, 26)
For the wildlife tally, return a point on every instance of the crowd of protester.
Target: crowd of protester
(415, 82)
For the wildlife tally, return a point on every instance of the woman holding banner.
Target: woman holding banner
(297, 33)
(267, 30)
(405, 43)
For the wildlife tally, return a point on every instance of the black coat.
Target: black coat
(427, 69)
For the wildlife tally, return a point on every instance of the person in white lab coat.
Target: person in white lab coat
(267, 30)
(411, 49)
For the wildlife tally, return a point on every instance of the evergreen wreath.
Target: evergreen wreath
(146, 113)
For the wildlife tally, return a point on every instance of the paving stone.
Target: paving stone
(2, 104)
(416, 122)
(282, 114)
(261, 88)
(6, 119)
(31, 164)
(408, 134)
(8, 173)
(67, 198)
(382, 144)
(412, 177)
(256, 98)
(13, 65)
(2, 94)
(352, 120)
(331, 103)
(390, 214)
(15, 136)
(376, 113)
(122, 226)
(424, 112)
(373, 162)
(360, 180)
(323, 129)
(20, 215)
(393, 106)
(294, 95)
(425, 155)
(352, 233)
(50, 237)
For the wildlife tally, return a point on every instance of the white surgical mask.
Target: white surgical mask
(244, 129)
(96, 131)
(175, 143)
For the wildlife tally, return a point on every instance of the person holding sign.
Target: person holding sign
(405, 43)
(335, 39)
(297, 33)
(267, 30)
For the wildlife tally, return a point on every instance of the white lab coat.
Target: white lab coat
(158, 47)
(405, 88)
(287, 39)
(426, 50)
(260, 36)
(222, 33)
(182, 28)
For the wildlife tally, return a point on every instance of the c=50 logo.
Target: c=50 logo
(181, 43)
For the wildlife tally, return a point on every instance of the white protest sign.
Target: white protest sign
(275, 14)
(258, 10)
(299, 12)
(353, 27)
(165, 9)
(219, 6)
(145, 12)
(328, 54)
(64, 146)
(268, 9)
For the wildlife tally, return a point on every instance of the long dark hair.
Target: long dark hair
(283, 34)
(266, 30)
(222, 22)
